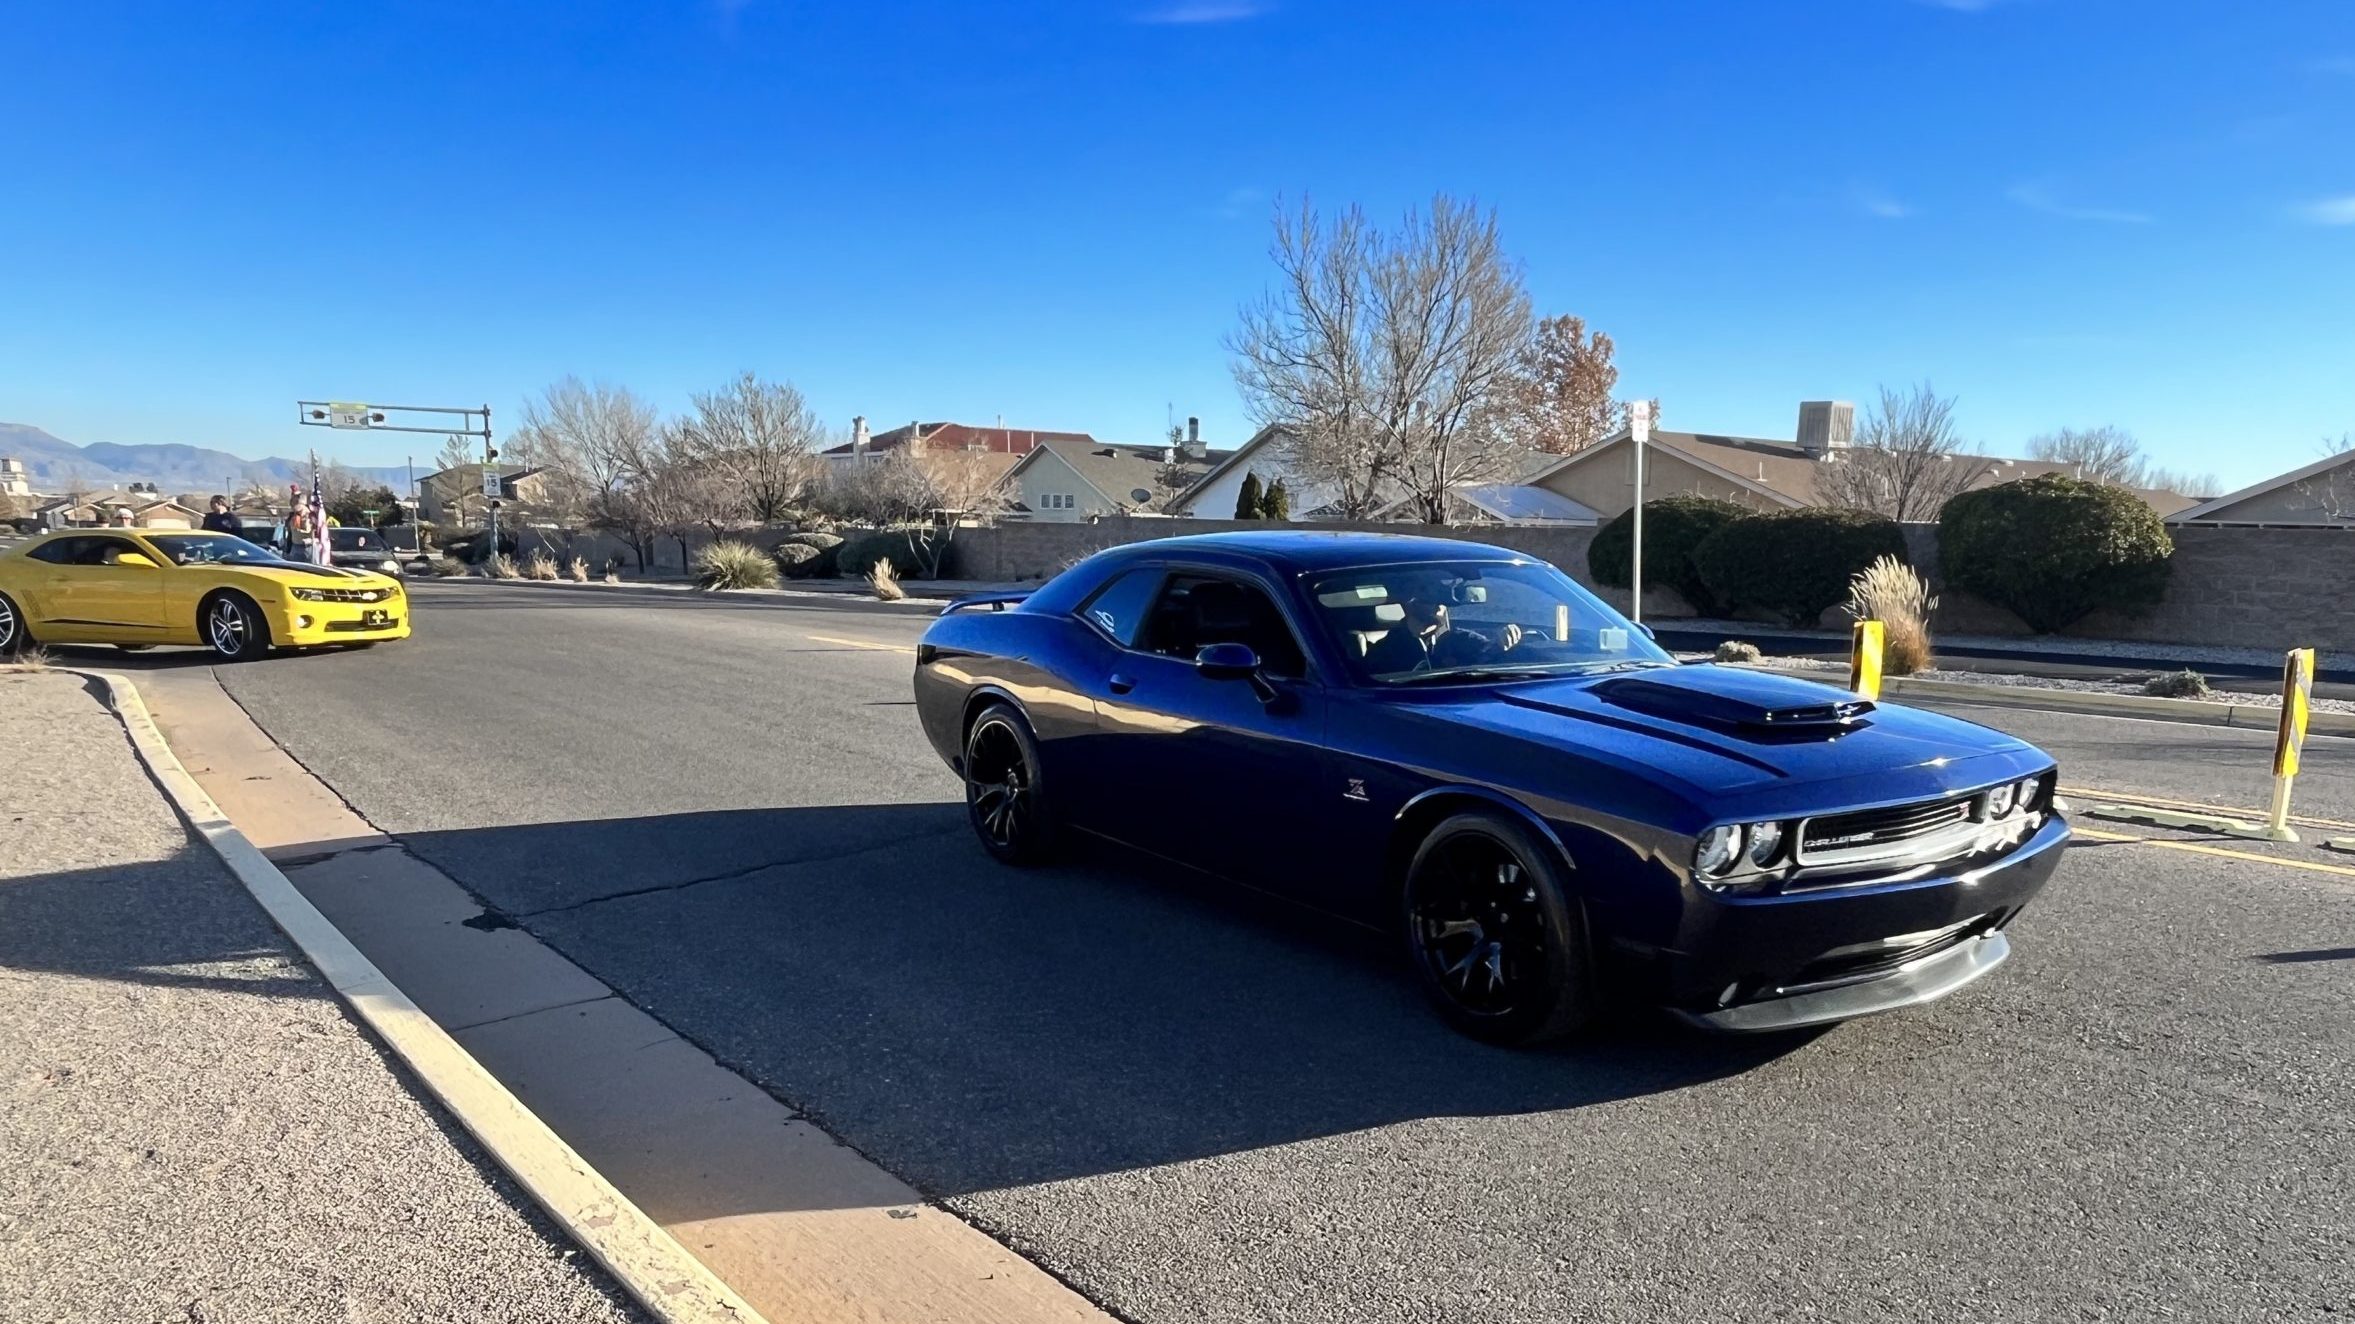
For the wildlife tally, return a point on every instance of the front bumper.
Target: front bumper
(313, 624)
(1754, 964)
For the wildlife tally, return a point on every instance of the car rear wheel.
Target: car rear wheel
(15, 635)
(233, 628)
(1496, 941)
(1003, 797)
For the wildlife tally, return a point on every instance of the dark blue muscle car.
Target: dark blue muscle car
(1458, 742)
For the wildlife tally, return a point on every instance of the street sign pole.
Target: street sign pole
(1639, 430)
(490, 483)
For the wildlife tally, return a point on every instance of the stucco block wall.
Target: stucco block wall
(2258, 588)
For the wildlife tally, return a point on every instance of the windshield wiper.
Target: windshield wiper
(1474, 675)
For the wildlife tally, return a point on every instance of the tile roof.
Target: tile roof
(963, 436)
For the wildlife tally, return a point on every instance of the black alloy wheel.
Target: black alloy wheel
(234, 628)
(1003, 797)
(15, 635)
(1496, 941)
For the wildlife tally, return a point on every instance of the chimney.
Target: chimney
(858, 437)
(1825, 426)
(1193, 438)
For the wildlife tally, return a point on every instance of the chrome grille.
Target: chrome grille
(1873, 832)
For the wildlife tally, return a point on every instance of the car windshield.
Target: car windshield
(212, 549)
(355, 540)
(1434, 621)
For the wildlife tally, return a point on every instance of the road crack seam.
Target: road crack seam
(733, 875)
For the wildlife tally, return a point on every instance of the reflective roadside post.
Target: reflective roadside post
(1639, 431)
(2297, 691)
(1864, 659)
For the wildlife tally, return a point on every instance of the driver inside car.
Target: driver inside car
(1429, 640)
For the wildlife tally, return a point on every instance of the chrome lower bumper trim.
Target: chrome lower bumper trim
(1907, 986)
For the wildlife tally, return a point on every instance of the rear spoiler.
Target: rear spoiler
(985, 602)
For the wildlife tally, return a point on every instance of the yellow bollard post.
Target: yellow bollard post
(2297, 690)
(1864, 659)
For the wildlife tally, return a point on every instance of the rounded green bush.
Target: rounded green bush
(1794, 563)
(911, 555)
(1673, 527)
(2053, 548)
(724, 565)
(794, 559)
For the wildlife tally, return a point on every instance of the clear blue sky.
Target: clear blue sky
(2060, 211)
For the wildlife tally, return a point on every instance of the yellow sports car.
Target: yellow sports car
(136, 588)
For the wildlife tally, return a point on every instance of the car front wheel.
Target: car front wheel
(1004, 799)
(1496, 940)
(234, 628)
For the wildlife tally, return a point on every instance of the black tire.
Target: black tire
(233, 627)
(1496, 940)
(16, 634)
(1005, 800)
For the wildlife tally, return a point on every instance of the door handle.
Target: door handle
(1119, 684)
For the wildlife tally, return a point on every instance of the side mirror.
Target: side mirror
(134, 558)
(1228, 661)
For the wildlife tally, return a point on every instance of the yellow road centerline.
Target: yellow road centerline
(2197, 848)
(868, 644)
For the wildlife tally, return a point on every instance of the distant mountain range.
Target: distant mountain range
(55, 464)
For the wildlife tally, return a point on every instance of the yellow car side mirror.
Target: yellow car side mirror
(134, 558)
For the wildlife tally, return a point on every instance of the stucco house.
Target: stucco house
(1213, 496)
(1064, 481)
(453, 498)
(1760, 472)
(2317, 495)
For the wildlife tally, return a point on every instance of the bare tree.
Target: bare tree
(2182, 482)
(760, 437)
(1558, 396)
(2333, 490)
(2103, 454)
(1905, 462)
(887, 489)
(1383, 354)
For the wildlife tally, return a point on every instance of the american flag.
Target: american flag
(321, 551)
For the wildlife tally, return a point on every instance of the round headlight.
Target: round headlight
(1999, 800)
(1718, 849)
(1766, 842)
(2025, 795)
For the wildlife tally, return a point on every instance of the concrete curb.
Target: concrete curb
(650, 1265)
(643, 586)
(2249, 716)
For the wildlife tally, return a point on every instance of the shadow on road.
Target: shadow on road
(974, 1027)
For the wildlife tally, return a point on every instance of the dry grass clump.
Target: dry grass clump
(446, 566)
(730, 564)
(29, 657)
(1889, 591)
(2184, 684)
(540, 565)
(883, 581)
(1734, 650)
(501, 566)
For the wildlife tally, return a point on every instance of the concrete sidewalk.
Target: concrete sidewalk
(190, 1126)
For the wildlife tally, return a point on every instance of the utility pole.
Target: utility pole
(1639, 430)
(491, 487)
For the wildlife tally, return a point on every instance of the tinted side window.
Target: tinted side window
(58, 552)
(1118, 608)
(1198, 610)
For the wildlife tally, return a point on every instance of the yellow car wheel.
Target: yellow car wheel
(15, 635)
(233, 627)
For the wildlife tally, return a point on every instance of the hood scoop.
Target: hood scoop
(1748, 701)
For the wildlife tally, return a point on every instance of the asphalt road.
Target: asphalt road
(1196, 1106)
